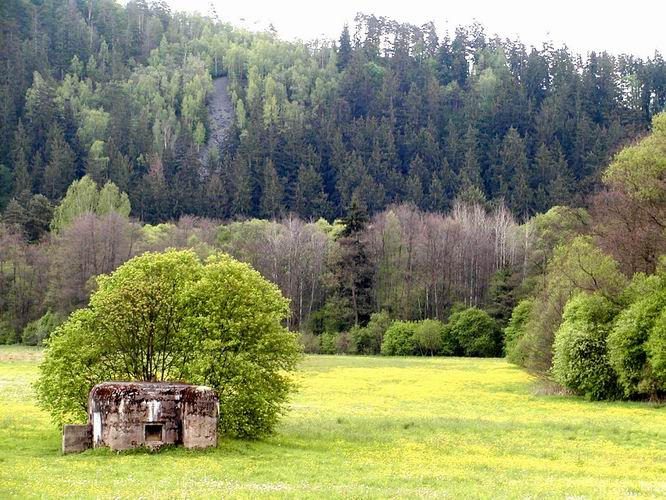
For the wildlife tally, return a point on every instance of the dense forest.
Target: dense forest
(390, 112)
(401, 187)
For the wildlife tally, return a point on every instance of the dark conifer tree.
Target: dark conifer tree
(60, 169)
(310, 201)
(14, 215)
(344, 49)
(271, 193)
(470, 169)
(353, 270)
(241, 204)
(38, 217)
(6, 186)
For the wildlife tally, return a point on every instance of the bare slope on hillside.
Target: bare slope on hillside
(220, 116)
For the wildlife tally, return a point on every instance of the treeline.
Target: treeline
(575, 294)
(390, 113)
(403, 262)
(596, 321)
(468, 332)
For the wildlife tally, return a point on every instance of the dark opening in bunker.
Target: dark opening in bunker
(153, 433)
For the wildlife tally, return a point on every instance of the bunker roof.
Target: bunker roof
(140, 391)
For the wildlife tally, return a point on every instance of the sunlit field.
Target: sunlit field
(364, 427)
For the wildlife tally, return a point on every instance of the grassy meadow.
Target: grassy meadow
(364, 427)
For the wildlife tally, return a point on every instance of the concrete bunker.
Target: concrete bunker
(124, 415)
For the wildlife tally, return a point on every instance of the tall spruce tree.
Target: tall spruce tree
(353, 269)
(20, 154)
(344, 49)
(272, 193)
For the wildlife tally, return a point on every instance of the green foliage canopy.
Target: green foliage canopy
(428, 336)
(580, 360)
(640, 170)
(515, 332)
(83, 196)
(368, 339)
(399, 339)
(637, 342)
(472, 332)
(167, 316)
(578, 265)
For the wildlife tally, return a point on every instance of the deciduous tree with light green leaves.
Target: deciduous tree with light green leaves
(168, 316)
(580, 360)
(83, 196)
(640, 170)
(637, 343)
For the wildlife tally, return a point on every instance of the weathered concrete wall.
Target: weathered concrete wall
(200, 417)
(119, 413)
(76, 438)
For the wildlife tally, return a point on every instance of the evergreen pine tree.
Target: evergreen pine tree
(353, 269)
(344, 49)
(415, 190)
(470, 169)
(311, 201)
(60, 169)
(271, 193)
(437, 199)
(14, 214)
(544, 176)
(5, 186)
(242, 199)
(560, 186)
(20, 154)
(514, 181)
(38, 217)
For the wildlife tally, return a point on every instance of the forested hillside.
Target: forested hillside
(390, 112)
(409, 192)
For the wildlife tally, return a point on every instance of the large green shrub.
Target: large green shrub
(428, 336)
(472, 332)
(656, 349)
(7, 334)
(343, 343)
(167, 316)
(576, 265)
(636, 345)
(580, 360)
(368, 340)
(515, 332)
(329, 342)
(36, 332)
(399, 339)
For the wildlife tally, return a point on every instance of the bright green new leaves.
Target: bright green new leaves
(640, 170)
(514, 332)
(656, 350)
(83, 196)
(581, 265)
(167, 316)
(399, 339)
(581, 359)
(472, 332)
(637, 344)
(243, 350)
(73, 364)
(111, 199)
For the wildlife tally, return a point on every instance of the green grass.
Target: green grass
(364, 427)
